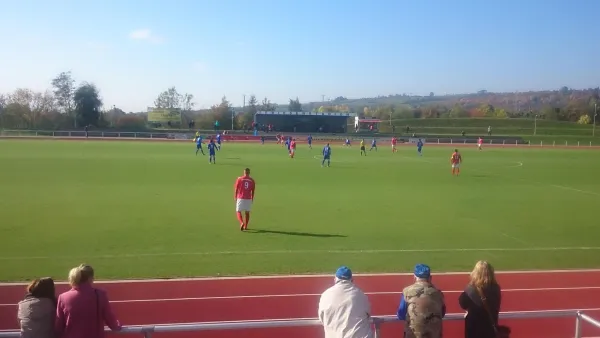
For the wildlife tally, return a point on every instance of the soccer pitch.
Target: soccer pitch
(154, 209)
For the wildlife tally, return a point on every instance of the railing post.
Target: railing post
(377, 328)
(578, 325)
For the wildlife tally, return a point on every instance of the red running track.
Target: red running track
(261, 298)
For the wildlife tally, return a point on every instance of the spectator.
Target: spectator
(481, 292)
(36, 312)
(344, 309)
(422, 306)
(82, 311)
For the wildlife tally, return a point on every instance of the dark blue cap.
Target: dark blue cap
(422, 271)
(343, 273)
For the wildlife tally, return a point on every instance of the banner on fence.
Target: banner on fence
(164, 116)
(415, 140)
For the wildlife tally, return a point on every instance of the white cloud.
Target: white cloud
(145, 35)
(199, 66)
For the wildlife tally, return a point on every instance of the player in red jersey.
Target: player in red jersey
(394, 141)
(244, 197)
(479, 143)
(292, 148)
(456, 160)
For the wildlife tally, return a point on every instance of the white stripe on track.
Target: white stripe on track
(161, 300)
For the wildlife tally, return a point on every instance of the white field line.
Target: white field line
(314, 276)
(379, 293)
(295, 252)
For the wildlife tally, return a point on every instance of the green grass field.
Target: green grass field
(153, 209)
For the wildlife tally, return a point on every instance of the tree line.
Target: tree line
(67, 105)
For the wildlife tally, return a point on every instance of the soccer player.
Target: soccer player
(219, 141)
(362, 147)
(288, 143)
(309, 139)
(199, 145)
(326, 155)
(420, 147)
(292, 148)
(244, 191)
(373, 145)
(347, 144)
(456, 160)
(212, 150)
(262, 139)
(279, 139)
(479, 143)
(394, 141)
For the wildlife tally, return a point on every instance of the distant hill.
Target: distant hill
(513, 101)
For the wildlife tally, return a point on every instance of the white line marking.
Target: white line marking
(161, 300)
(576, 190)
(295, 252)
(362, 275)
(519, 164)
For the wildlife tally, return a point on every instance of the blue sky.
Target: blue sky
(132, 50)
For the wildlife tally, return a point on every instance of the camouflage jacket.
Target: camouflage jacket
(425, 310)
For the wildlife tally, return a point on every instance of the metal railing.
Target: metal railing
(148, 330)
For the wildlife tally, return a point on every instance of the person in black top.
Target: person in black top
(481, 299)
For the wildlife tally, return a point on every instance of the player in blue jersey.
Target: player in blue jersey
(219, 141)
(262, 139)
(326, 155)
(347, 144)
(309, 139)
(199, 145)
(420, 147)
(373, 145)
(212, 151)
(288, 144)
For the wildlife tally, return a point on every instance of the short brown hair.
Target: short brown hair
(247, 171)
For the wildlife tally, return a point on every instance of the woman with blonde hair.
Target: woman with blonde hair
(481, 299)
(82, 311)
(36, 312)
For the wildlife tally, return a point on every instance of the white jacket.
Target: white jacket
(344, 310)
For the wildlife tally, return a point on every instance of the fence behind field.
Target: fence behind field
(148, 330)
(182, 136)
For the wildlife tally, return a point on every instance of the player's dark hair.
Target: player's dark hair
(247, 171)
(456, 150)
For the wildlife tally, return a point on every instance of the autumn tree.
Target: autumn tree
(87, 104)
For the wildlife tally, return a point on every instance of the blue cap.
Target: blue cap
(343, 273)
(422, 271)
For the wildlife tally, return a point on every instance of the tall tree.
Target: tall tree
(87, 104)
(252, 106)
(294, 105)
(266, 105)
(169, 99)
(187, 103)
(64, 90)
(223, 112)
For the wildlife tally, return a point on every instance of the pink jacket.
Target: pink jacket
(82, 312)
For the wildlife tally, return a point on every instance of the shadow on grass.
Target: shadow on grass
(292, 233)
